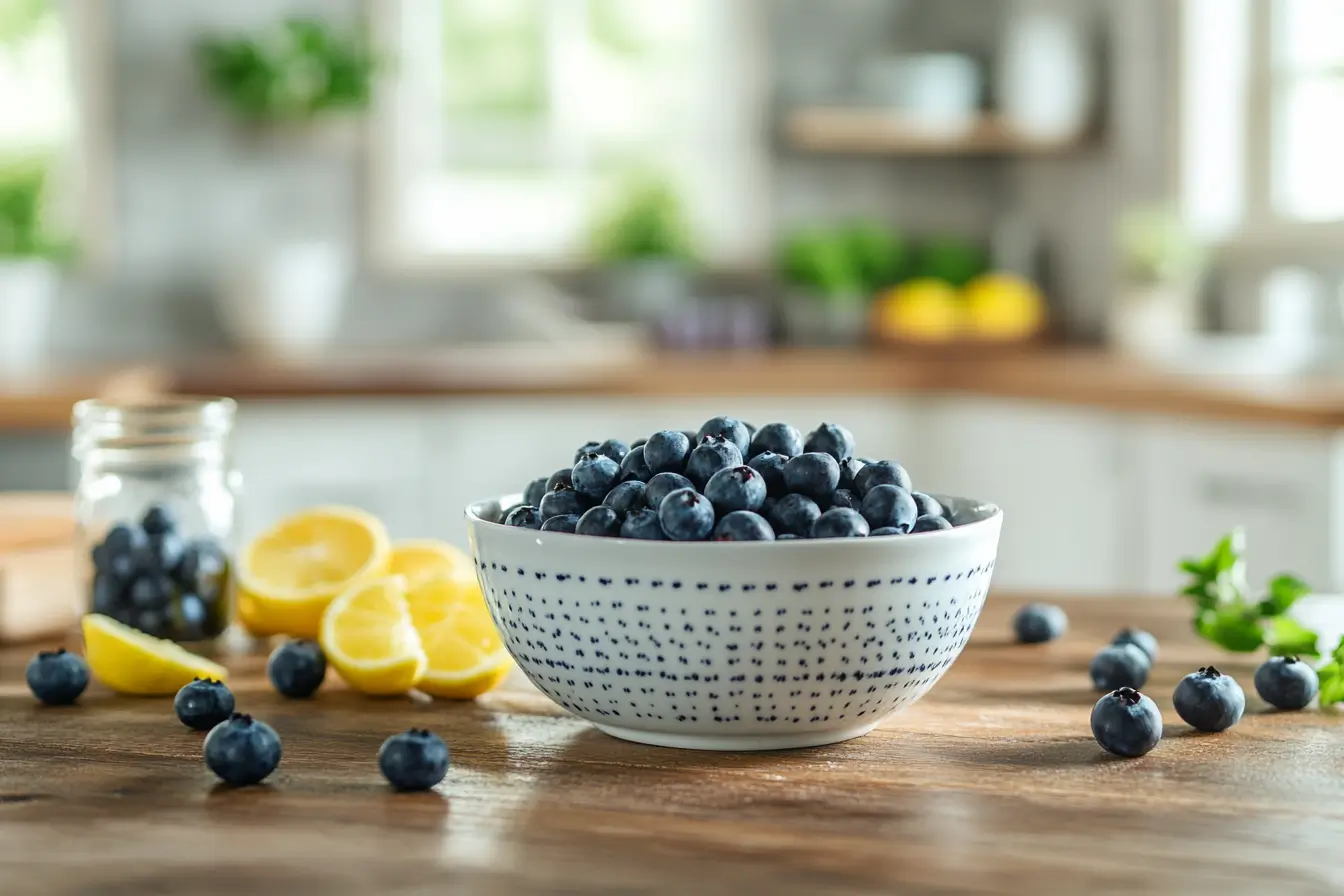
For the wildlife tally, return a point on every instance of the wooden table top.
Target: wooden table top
(992, 783)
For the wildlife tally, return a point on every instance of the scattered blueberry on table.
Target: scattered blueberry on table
(731, 482)
(242, 750)
(1038, 623)
(204, 703)
(1126, 723)
(1119, 666)
(1285, 682)
(297, 668)
(57, 677)
(413, 760)
(1140, 639)
(1209, 700)
(150, 576)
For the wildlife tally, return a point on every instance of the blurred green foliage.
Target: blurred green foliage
(23, 191)
(646, 222)
(20, 18)
(1156, 246)
(295, 71)
(956, 260)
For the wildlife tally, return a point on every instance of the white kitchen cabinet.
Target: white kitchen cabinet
(1063, 477)
(368, 454)
(1201, 480)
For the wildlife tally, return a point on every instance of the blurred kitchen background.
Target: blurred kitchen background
(1080, 258)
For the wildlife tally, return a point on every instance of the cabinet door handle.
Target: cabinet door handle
(1238, 491)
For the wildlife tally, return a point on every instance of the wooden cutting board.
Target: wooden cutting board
(39, 593)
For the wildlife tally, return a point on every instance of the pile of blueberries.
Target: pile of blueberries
(149, 576)
(728, 481)
(239, 749)
(1127, 722)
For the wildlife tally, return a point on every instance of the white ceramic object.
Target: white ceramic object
(939, 93)
(28, 291)
(1045, 76)
(741, 646)
(288, 300)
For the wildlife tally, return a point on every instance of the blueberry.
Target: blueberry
(928, 505)
(107, 593)
(737, 488)
(849, 468)
(123, 549)
(562, 502)
(151, 622)
(886, 530)
(771, 467)
(637, 443)
(889, 505)
(203, 565)
(625, 497)
(843, 497)
(786, 536)
(840, 522)
(57, 677)
(567, 522)
(595, 475)
(166, 551)
(242, 750)
(828, 438)
(691, 436)
(1285, 682)
(600, 520)
(714, 453)
(728, 428)
(297, 668)
(794, 515)
(884, 472)
(930, 524)
(614, 449)
(151, 592)
(193, 618)
(666, 451)
(768, 506)
(158, 519)
(643, 523)
(565, 476)
(1126, 723)
(535, 491)
(1140, 639)
(1208, 699)
(662, 485)
(202, 704)
(634, 467)
(1038, 623)
(1119, 666)
(686, 515)
(813, 474)
(587, 448)
(413, 760)
(743, 525)
(776, 438)
(525, 517)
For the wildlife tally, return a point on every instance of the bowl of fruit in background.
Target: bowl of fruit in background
(672, 594)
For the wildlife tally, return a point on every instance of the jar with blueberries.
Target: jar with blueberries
(156, 502)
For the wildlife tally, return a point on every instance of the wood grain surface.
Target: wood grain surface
(991, 784)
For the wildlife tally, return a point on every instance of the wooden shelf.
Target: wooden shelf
(881, 132)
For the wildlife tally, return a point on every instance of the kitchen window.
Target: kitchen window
(505, 126)
(1262, 119)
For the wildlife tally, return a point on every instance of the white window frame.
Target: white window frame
(391, 157)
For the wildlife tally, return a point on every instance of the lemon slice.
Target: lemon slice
(466, 656)
(367, 635)
(288, 575)
(426, 560)
(131, 662)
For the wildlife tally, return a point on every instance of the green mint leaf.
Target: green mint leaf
(1284, 591)
(1288, 637)
(1332, 683)
(1194, 567)
(1231, 628)
(1338, 654)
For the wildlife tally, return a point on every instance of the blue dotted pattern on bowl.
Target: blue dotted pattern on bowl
(768, 656)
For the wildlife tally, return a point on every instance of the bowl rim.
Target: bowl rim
(965, 532)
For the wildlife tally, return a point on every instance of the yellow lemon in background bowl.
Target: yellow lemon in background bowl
(922, 310)
(1004, 308)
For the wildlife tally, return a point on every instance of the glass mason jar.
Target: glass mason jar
(155, 502)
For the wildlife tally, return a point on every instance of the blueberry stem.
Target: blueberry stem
(1128, 696)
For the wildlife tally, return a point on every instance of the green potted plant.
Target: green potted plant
(1161, 263)
(292, 75)
(642, 246)
(829, 276)
(29, 254)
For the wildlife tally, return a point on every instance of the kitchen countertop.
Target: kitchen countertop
(1082, 377)
(992, 783)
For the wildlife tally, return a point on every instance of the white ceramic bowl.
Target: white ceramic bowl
(741, 646)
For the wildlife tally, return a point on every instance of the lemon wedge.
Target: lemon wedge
(288, 575)
(131, 662)
(367, 635)
(425, 560)
(465, 653)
